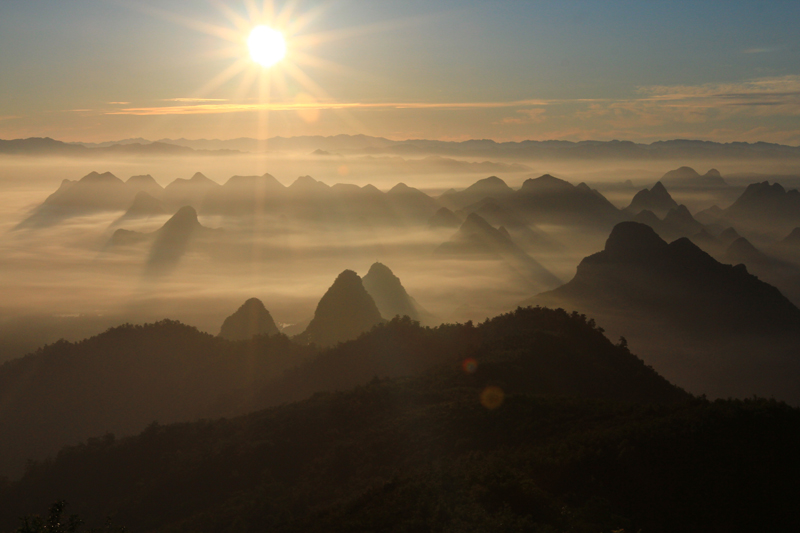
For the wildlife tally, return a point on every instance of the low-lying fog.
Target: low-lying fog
(62, 281)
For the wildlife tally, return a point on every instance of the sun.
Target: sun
(267, 45)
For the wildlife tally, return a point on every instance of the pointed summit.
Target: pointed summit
(344, 312)
(444, 218)
(250, 320)
(793, 238)
(658, 200)
(172, 240)
(728, 236)
(389, 294)
(487, 187)
(682, 221)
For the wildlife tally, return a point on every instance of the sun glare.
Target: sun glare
(267, 46)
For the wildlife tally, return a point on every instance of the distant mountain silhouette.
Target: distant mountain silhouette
(169, 243)
(709, 216)
(412, 204)
(477, 238)
(714, 328)
(123, 379)
(47, 147)
(682, 220)
(679, 282)
(677, 149)
(189, 192)
(782, 274)
(391, 297)
(250, 320)
(93, 193)
(793, 239)
(344, 312)
(766, 209)
(687, 177)
(145, 183)
(657, 200)
(244, 195)
(788, 248)
(678, 222)
(526, 235)
(547, 199)
(444, 218)
(143, 206)
(491, 187)
(172, 241)
(728, 236)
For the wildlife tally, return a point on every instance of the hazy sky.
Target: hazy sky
(96, 70)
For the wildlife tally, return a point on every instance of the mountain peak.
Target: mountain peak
(199, 177)
(184, 218)
(343, 313)
(105, 177)
(741, 247)
(545, 183)
(251, 319)
(793, 237)
(388, 292)
(633, 239)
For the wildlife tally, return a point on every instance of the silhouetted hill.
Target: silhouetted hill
(244, 195)
(728, 236)
(657, 200)
(765, 208)
(682, 221)
(145, 183)
(169, 243)
(657, 293)
(189, 192)
(710, 215)
(444, 218)
(793, 239)
(412, 204)
(489, 445)
(547, 199)
(125, 378)
(250, 320)
(688, 178)
(526, 235)
(679, 282)
(50, 147)
(92, 193)
(782, 274)
(491, 187)
(391, 297)
(172, 240)
(344, 312)
(143, 206)
(477, 238)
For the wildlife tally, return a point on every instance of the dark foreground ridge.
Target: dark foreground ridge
(525, 424)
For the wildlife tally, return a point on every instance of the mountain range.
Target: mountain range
(530, 421)
(584, 150)
(708, 322)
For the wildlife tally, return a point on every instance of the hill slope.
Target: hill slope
(452, 450)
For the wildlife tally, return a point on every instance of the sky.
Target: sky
(100, 70)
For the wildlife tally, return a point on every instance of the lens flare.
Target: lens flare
(492, 397)
(267, 45)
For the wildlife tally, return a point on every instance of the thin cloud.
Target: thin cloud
(190, 100)
(118, 103)
(765, 50)
(206, 109)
